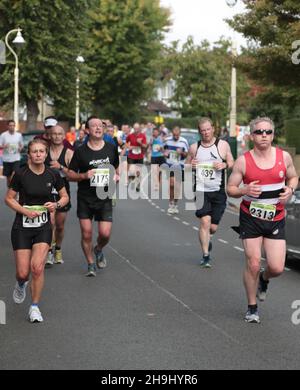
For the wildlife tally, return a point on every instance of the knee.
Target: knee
(37, 270)
(213, 229)
(275, 270)
(254, 265)
(87, 235)
(105, 236)
(205, 223)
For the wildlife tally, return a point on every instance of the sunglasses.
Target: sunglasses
(260, 132)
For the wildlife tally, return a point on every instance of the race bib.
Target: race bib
(12, 149)
(206, 172)
(100, 178)
(262, 211)
(38, 221)
(174, 156)
(156, 148)
(137, 150)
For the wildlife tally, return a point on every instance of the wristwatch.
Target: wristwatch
(61, 167)
(58, 205)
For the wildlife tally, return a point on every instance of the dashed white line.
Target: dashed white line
(195, 228)
(224, 242)
(185, 223)
(175, 298)
(238, 248)
(177, 219)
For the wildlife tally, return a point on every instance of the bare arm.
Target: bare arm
(292, 179)
(74, 176)
(10, 200)
(191, 154)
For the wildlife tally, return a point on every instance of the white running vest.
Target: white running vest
(207, 178)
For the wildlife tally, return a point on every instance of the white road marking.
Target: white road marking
(238, 248)
(195, 228)
(224, 242)
(177, 219)
(174, 297)
(185, 223)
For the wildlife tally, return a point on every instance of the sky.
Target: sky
(203, 19)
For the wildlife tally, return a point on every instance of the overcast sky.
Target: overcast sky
(203, 19)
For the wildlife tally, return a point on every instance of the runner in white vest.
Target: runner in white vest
(210, 157)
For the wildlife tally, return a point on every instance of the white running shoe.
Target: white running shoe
(50, 259)
(175, 209)
(35, 314)
(19, 293)
(171, 209)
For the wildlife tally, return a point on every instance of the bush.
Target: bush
(292, 133)
(189, 123)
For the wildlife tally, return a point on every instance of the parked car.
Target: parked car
(293, 226)
(191, 135)
(27, 137)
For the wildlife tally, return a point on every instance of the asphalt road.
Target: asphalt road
(153, 307)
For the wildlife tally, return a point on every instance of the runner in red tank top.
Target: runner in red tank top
(269, 179)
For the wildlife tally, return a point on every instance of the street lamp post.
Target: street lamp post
(79, 59)
(232, 117)
(19, 40)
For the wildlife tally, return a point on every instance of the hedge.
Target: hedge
(292, 133)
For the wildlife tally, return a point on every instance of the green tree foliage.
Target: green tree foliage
(126, 38)
(203, 75)
(271, 27)
(55, 33)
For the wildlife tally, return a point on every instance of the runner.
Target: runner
(136, 143)
(157, 156)
(210, 157)
(58, 159)
(92, 167)
(270, 179)
(31, 232)
(12, 143)
(176, 150)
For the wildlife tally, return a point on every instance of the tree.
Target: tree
(269, 60)
(126, 38)
(55, 33)
(202, 74)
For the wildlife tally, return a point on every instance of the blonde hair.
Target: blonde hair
(38, 141)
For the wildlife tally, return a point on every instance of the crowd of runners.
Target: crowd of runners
(39, 192)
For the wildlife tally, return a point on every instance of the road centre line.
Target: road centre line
(238, 248)
(224, 242)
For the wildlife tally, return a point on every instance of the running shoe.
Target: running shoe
(100, 259)
(91, 270)
(35, 314)
(252, 317)
(262, 287)
(19, 293)
(171, 209)
(205, 262)
(49, 260)
(58, 257)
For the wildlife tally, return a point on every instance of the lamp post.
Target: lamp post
(79, 59)
(19, 40)
(232, 117)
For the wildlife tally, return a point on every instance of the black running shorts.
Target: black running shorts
(25, 238)
(101, 210)
(251, 227)
(211, 203)
(10, 167)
